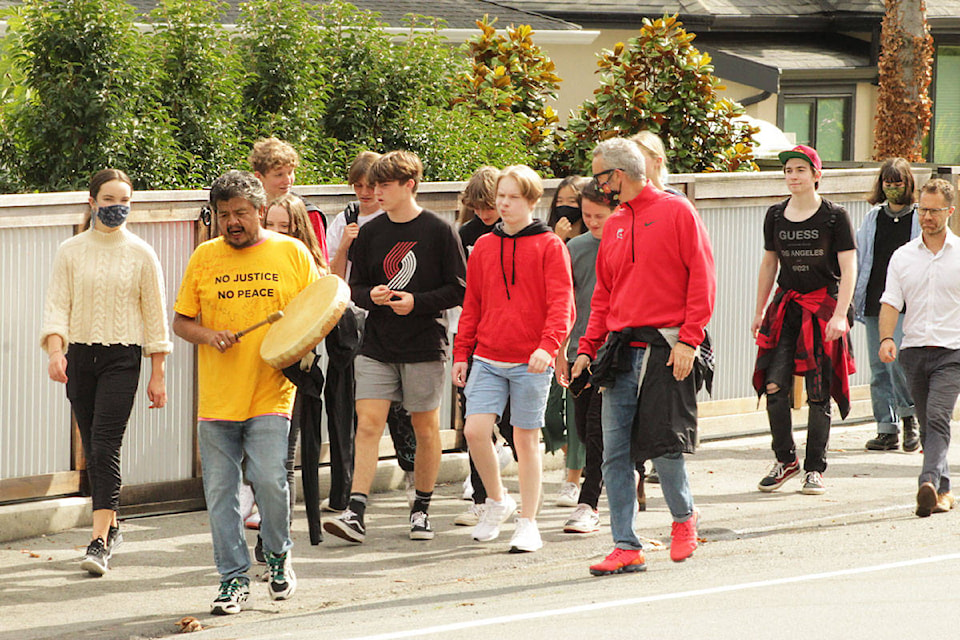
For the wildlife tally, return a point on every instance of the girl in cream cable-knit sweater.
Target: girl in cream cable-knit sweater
(106, 302)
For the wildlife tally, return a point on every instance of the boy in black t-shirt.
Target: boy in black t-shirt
(805, 329)
(408, 267)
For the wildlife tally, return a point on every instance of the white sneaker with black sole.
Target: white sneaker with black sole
(95, 560)
(526, 537)
(233, 593)
(283, 581)
(420, 528)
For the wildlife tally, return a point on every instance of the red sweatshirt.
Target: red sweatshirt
(654, 269)
(519, 296)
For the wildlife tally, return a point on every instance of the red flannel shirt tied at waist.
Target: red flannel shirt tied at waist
(812, 353)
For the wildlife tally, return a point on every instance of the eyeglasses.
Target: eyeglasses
(929, 212)
(602, 185)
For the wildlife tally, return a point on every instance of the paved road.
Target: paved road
(854, 563)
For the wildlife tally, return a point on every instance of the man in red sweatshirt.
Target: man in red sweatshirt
(654, 296)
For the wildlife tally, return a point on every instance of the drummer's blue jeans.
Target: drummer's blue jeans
(223, 445)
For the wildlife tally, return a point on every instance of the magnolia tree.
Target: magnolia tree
(660, 82)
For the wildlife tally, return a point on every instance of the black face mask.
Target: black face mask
(573, 214)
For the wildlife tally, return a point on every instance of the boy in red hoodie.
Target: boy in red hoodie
(517, 311)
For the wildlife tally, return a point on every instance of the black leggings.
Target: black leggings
(102, 381)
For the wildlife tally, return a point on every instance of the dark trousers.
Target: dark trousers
(102, 381)
(341, 428)
(934, 377)
(586, 408)
(780, 373)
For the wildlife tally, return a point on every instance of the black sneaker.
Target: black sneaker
(884, 442)
(911, 437)
(95, 560)
(258, 551)
(420, 528)
(283, 581)
(114, 540)
(348, 525)
(779, 473)
(233, 593)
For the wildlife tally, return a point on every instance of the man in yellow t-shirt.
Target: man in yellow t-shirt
(230, 283)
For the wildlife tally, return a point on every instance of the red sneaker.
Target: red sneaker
(620, 561)
(683, 538)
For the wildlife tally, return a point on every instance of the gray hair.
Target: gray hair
(238, 184)
(623, 154)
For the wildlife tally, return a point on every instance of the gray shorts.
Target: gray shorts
(418, 385)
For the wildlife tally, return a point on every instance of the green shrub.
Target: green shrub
(198, 74)
(453, 143)
(89, 102)
(659, 81)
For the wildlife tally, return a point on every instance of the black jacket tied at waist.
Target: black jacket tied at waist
(666, 416)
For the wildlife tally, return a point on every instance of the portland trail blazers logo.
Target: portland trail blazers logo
(400, 264)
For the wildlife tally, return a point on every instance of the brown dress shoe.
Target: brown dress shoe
(945, 502)
(926, 499)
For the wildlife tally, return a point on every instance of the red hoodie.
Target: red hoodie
(654, 269)
(519, 296)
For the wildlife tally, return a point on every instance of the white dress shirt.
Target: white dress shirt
(929, 284)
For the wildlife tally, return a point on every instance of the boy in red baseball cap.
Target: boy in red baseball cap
(809, 252)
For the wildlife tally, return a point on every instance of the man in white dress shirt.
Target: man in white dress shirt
(924, 275)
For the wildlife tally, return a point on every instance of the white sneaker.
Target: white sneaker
(246, 501)
(467, 489)
(584, 520)
(471, 516)
(568, 495)
(495, 514)
(526, 537)
(504, 454)
(253, 522)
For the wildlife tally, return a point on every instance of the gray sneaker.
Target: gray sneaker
(95, 560)
(813, 484)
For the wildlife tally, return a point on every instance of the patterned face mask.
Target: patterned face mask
(114, 215)
(894, 194)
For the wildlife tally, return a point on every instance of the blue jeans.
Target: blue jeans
(889, 391)
(619, 408)
(223, 445)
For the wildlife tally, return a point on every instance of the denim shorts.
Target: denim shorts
(488, 388)
(418, 385)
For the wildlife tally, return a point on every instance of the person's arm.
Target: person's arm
(195, 333)
(157, 388)
(887, 323)
(561, 310)
(838, 325)
(153, 307)
(768, 275)
(57, 364)
(338, 264)
(697, 256)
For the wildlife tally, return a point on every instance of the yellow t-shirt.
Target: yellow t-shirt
(227, 288)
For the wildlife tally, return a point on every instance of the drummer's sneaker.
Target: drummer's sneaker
(348, 526)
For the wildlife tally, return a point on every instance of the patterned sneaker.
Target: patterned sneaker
(471, 516)
(585, 519)
(233, 593)
(420, 528)
(347, 525)
(813, 483)
(283, 581)
(779, 473)
(568, 495)
(95, 560)
(526, 537)
(683, 538)
(495, 514)
(620, 561)
(114, 540)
